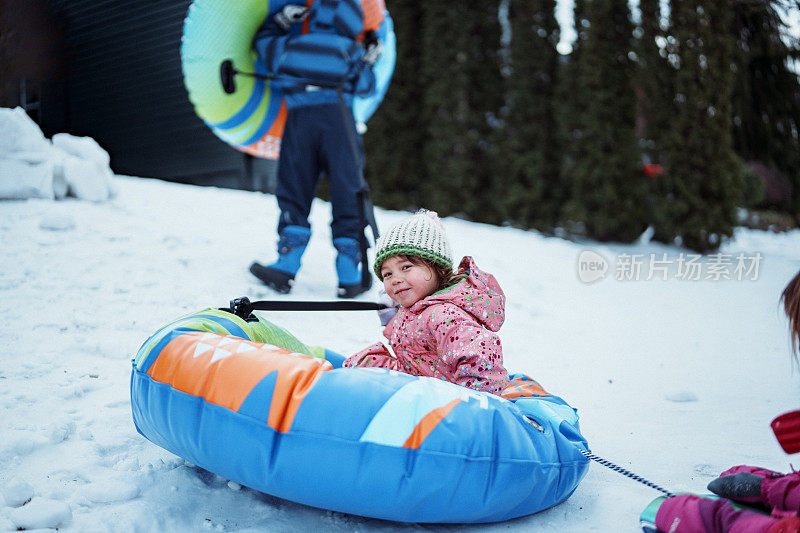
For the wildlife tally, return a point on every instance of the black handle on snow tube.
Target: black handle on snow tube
(228, 73)
(243, 307)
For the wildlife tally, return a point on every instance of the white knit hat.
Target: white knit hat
(422, 235)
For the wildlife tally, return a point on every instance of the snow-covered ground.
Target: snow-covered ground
(676, 380)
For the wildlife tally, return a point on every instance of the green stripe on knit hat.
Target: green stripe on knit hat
(421, 235)
(386, 253)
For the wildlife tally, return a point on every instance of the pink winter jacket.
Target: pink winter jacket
(448, 335)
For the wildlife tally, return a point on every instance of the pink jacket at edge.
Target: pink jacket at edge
(448, 335)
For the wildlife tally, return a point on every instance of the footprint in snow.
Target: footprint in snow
(21, 443)
(59, 432)
(706, 470)
(54, 222)
(682, 397)
(109, 491)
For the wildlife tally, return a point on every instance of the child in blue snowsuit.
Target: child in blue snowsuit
(312, 52)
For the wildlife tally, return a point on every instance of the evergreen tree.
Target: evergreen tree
(603, 164)
(703, 175)
(460, 73)
(656, 92)
(530, 156)
(571, 98)
(487, 98)
(654, 82)
(397, 132)
(766, 96)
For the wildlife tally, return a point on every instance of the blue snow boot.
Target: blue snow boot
(347, 268)
(280, 274)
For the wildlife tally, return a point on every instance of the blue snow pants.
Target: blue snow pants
(316, 140)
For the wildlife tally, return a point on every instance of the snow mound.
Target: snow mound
(40, 513)
(16, 492)
(33, 167)
(19, 134)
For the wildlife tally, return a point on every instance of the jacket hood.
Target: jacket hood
(479, 295)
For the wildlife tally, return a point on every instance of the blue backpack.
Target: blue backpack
(328, 57)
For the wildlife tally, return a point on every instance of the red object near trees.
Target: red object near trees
(652, 170)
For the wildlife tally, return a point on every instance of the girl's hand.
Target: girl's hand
(385, 315)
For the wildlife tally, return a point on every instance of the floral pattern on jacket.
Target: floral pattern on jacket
(450, 335)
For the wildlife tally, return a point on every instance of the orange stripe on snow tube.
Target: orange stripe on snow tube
(427, 424)
(224, 369)
(297, 374)
(523, 388)
(269, 146)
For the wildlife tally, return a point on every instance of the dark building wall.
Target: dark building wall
(33, 57)
(122, 85)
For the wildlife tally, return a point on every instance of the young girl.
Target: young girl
(780, 493)
(446, 322)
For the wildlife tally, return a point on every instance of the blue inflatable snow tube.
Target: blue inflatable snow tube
(248, 401)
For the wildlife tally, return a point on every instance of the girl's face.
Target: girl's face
(406, 282)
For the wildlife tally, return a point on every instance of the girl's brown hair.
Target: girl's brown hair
(791, 304)
(445, 276)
